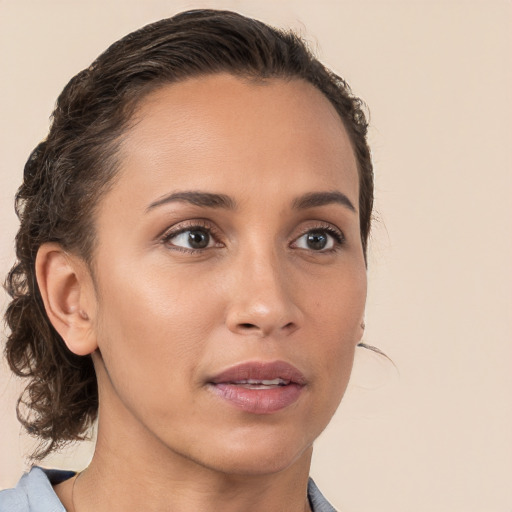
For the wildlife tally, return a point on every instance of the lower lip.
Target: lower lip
(258, 401)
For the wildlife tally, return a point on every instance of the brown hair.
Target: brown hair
(66, 175)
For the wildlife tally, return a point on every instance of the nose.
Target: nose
(261, 299)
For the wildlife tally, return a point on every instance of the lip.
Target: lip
(255, 397)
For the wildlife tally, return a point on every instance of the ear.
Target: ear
(68, 295)
(362, 327)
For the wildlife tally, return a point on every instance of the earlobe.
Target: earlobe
(68, 296)
(362, 327)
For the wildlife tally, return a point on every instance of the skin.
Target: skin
(161, 320)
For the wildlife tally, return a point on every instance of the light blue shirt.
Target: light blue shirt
(34, 493)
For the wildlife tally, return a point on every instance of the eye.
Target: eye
(190, 238)
(320, 240)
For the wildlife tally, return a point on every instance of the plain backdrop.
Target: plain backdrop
(434, 434)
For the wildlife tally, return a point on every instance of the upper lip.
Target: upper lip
(260, 370)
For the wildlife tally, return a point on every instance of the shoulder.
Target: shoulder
(317, 500)
(34, 492)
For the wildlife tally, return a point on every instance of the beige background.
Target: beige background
(436, 434)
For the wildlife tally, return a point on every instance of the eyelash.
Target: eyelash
(195, 225)
(336, 234)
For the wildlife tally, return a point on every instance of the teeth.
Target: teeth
(261, 384)
(273, 382)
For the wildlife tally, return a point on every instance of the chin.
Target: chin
(254, 455)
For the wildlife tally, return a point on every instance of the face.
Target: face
(230, 278)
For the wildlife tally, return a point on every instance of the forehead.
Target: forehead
(225, 132)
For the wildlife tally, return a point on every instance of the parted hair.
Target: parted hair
(67, 174)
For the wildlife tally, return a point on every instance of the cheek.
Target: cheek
(152, 332)
(339, 305)
(336, 314)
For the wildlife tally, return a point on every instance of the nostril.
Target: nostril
(248, 326)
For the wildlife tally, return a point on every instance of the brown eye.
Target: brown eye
(319, 240)
(195, 238)
(316, 240)
(198, 239)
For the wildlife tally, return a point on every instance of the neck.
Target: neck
(130, 480)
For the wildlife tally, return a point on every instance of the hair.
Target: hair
(67, 174)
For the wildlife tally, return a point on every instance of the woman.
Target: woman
(191, 271)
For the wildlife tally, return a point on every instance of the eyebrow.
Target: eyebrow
(205, 199)
(209, 200)
(315, 199)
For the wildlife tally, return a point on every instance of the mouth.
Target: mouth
(259, 387)
(260, 384)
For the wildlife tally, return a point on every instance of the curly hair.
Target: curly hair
(67, 174)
